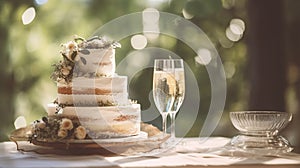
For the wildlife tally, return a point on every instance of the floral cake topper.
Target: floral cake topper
(65, 70)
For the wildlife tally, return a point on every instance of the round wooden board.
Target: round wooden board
(149, 139)
(116, 146)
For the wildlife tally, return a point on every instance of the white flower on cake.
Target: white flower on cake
(70, 50)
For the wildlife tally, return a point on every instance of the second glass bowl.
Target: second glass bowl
(259, 131)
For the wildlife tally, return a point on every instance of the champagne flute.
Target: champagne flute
(168, 89)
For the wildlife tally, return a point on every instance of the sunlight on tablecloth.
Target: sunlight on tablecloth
(189, 152)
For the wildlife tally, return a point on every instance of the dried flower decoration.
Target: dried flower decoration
(80, 132)
(41, 125)
(47, 128)
(107, 103)
(66, 124)
(70, 50)
(63, 71)
(62, 133)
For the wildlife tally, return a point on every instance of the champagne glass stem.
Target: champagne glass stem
(164, 116)
(172, 116)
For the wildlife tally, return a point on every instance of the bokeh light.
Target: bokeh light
(150, 15)
(138, 41)
(186, 14)
(228, 4)
(28, 16)
(20, 122)
(237, 26)
(229, 69)
(204, 56)
(232, 36)
(235, 30)
(150, 21)
(40, 2)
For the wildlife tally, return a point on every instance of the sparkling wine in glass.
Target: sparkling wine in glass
(168, 89)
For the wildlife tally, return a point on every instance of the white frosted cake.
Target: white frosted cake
(92, 98)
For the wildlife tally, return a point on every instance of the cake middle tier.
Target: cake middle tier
(84, 91)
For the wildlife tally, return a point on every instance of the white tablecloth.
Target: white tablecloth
(190, 152)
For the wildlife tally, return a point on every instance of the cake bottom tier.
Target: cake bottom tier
(102, 122)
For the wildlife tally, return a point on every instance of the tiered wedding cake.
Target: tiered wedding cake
(92, 99)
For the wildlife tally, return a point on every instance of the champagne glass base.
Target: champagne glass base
(259, 144)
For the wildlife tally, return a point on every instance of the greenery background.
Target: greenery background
(28, 51)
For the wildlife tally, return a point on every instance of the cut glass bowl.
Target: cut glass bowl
(259, 131)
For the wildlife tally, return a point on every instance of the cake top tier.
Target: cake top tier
(93, 57)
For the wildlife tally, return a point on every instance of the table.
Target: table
(190, 152)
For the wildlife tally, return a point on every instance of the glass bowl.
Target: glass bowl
(259, 122)
(259, 131)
